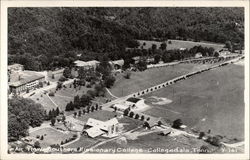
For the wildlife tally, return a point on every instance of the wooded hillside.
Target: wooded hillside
(45, 38)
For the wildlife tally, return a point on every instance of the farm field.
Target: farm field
(211, 100)
(177, 44)
(51, 136)
(150, 77)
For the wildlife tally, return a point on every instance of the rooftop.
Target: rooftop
(133, 99)
(26, 77)
(101, 124)
(118, 62)
(80, 63)
(14, 65)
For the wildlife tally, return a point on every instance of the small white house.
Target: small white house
(198, 55)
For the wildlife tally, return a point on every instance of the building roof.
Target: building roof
(14, 65)
(80, 63)
(94, 132)
(133, 99)
(121, 106)
(100, 124)
(117, 62)
(154, 121)
(26, 77)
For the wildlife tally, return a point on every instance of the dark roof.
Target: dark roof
(133, 99)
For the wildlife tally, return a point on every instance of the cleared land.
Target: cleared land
(150, 77)
(61, 98)
(211, 100)
(51, 136)
(177, 44)
(100, 115)
(164, 144)
(84, 141)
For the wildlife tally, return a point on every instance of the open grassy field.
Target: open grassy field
(100, 115)
(177, 44)
(84, 142)
(167, 144)
(61, 98)
(150, 77)
(51, 136)
(211, 100)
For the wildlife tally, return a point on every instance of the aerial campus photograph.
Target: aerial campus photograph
(120, 80)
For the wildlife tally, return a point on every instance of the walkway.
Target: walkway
(111, 93)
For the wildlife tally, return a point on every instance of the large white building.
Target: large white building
(22, 80)
(94, 128)
(87, 65)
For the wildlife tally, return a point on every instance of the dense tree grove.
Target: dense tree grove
(23, 113)
(46, 38)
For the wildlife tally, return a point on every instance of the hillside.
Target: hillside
(45, 38)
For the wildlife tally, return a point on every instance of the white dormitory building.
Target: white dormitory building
(115, 65)
(95, 128)
(87, 65)
(20, 80)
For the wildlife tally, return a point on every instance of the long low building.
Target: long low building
(26, 80)
(87, 65)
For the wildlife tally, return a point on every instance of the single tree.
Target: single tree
(131, 114)
(177, 123)
(137, 116)
(37, 144)
(53, 121)
(201, 135)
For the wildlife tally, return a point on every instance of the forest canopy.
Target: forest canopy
(45, 38)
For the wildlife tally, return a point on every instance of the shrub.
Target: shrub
(127, 75)
(201, 135)
(88, 85)
(37, 144)
(51, 94)
(177, 123)
(142, 118)
(131, 114)
(125, 112)
(137, 116)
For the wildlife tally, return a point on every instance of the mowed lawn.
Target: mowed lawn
(84, 142)
(177, 44)
(101, 115)
(149, 78)
(61, 98)
(51, 136)
(147, 143)
(211, 100)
